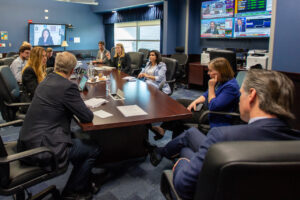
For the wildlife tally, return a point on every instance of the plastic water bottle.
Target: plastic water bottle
(108, 85)
(90, 71)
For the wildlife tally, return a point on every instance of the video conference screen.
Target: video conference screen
(236, 18)
(46, 34)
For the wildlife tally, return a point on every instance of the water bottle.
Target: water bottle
(108, 85)
(90, 71)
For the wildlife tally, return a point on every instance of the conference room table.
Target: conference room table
(120, 137)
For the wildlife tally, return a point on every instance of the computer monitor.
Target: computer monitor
(229, 55)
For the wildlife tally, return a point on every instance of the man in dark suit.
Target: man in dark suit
(239, 26)
(265, 103)
(212, 28)
(47, 123)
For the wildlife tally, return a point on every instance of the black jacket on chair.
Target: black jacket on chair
(48, 119)
(125, 63)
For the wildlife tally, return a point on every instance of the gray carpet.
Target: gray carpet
(131, 180)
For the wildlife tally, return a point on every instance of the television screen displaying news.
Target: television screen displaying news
(217, 9)
(216, 28)
(46, 34)
(236, 18)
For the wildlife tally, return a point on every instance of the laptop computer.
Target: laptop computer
(82, 83)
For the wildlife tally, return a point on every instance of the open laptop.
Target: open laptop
(82, 83)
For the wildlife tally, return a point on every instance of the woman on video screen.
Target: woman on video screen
(46, 38)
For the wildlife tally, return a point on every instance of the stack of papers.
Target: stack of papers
(129, 78)
(102, 114)
(94, 102)
(104, 68)
(132, 110)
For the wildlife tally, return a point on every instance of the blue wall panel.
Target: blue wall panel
(287, 37)
(15, 13)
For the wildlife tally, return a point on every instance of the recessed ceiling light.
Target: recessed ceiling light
(114, 11)
(151, 5)
(46, 11)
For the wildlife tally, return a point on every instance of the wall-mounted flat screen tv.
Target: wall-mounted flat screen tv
(216, 28)
(217, 9)
(46, 34)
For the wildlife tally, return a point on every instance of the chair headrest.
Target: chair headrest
(179, 49)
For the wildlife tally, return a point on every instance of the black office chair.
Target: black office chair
(10, 96)
(182, 59)
(112, 51)
(172, 65)
(15, 177)
(146, 53)
(136, 62)
(246, 170)
(7, 60)
(12, 54)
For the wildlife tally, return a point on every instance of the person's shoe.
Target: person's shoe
(76, 196)
(155, 157)
(158, 131)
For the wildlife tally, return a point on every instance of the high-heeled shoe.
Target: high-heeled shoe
(158, 131)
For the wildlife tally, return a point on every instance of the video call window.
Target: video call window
(217, 9)
(216, 28)
(46, 34)
(255, 26)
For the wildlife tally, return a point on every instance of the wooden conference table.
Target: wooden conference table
(122, 137)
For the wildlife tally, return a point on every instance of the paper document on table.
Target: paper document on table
(132, 110)
(104, 68)
(129, 78)
(102, 114)
(94, 102)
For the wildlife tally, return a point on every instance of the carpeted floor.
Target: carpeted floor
(130, 180)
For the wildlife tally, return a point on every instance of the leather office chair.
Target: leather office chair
(136, 62)
(182, 59)
(7, 60)
(15, 177)
(10, 95)
(257, 170)
(172, 65)
(112, 51)
(12, 54)
(146, 53)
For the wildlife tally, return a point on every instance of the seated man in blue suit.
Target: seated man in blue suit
(47, 123)
(265, 103)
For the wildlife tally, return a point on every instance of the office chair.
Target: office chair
(12, 54)
(7, 60)
(246, 170)
(204, 127)
(112, 51)
(15, 177)
(146, 53)
(172, 65)
(182, 59)
(10, 96)
(136, 62)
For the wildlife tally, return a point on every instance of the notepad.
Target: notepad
(102, 114)
(132, 110)
(129, 78)
(94, 102)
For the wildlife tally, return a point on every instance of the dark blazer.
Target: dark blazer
(105, 60)
(29, 82)
(213, 32)
(186, 173)
(125, 63)
(49, 41)
(242, 28)
(50, 61)
(226, 100)
(47, 122)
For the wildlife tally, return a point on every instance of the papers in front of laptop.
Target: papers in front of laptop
(129, 78)
(94, 102)
(104, 68)
(132, 110)
(102, 114)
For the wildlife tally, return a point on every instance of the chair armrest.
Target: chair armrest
(171, 81)
(11, 123)
(167, 187)
(201, 118)
(17, 104)
(28, 153)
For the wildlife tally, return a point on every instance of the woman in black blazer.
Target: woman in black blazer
(33, 73)
(121, 60)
